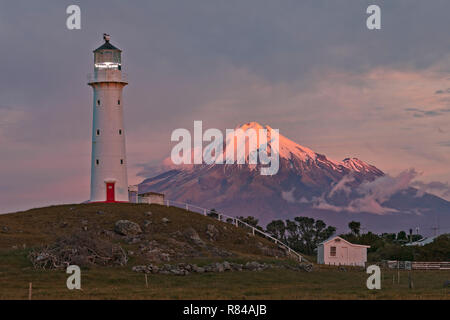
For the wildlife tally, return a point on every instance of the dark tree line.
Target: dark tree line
(302, 234)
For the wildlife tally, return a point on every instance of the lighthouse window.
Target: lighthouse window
(97, 162)
(118, 102)
(120, 131)
(98, 132)
(98, 102)
(121, 161)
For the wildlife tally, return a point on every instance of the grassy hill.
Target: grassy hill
(169, 229)
(44, 225)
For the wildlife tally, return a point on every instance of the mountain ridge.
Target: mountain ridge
(307, 183)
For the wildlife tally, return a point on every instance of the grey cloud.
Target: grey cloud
(443, 91)
(372, 194)
(444, 143)
(421, 113)
(440, 188)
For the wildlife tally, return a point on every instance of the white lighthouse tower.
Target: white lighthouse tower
(109, 182)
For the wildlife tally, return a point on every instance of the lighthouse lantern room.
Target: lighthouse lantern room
(109, 181)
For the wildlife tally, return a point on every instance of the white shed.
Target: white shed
(338, 251)
(151, 198)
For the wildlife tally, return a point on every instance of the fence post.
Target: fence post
(167, 202)
(253, 229)
(219, 217)
(236, 220)
(204, 212)
(187, 206)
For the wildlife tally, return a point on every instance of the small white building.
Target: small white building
(422, 241)
(338, 251)
(151, 198)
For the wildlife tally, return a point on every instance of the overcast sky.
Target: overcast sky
(310, 68)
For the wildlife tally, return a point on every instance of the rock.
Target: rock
(197, 269)
(212, 232)
(218, 267)
(127, 228)
(252, 266)
(153, 268)
(148, 213)
(147, 223)
(165, 220)
(209, 268)
(226, 266)
(193, 236)
(63, 224)
(84, 228)
(236, 266)
(179, 272)
(5, 229)
(308, 267)
(130, 253)
(140, 269)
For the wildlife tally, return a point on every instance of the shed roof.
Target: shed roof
(342, 239)
(151, 193)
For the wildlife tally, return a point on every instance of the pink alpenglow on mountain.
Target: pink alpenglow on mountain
(307, 184)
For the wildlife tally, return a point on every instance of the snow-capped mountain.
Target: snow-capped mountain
(307, 183)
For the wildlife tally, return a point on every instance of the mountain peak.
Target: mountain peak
(293, 153)
(357, 165)
(252, 125)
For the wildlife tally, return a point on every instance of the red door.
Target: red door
(110, 196)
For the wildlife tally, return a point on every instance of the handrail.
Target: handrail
(205, 211)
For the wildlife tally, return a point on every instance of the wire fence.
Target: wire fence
(236, 222)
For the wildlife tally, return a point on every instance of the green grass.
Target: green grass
(42, 226)
(122, 283)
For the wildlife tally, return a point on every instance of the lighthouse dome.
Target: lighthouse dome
(107, 56)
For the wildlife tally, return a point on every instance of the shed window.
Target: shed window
(98, 132)
(97, 161)
(118, 102)
(98, 102)
(332, 251)
(120, 131)
(121, 161)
